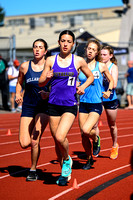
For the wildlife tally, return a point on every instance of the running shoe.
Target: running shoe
(67, 167)
(88, 164)
(32, 176)
(96, 147)
(62, 181)
(13, 110)
(114, 152)
(19, 109)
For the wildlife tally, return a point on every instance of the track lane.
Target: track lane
(50, 170)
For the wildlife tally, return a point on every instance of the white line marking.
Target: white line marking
(87, 181)
(25, 151)
(50, 163)
(71, 134)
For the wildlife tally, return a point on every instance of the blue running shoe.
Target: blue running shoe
(67, 168)
(32, 176)
(96, 147)
(62, 181)
(88, 164)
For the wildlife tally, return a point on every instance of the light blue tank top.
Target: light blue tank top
(63, 84)
(113, 95)
(93, 93)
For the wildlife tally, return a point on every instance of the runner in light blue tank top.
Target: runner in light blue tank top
(93, 93)
(90, 107)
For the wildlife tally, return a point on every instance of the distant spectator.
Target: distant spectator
(129, 90)
(4, 83)
(13, 73)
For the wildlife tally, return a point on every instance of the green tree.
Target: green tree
(2, 15)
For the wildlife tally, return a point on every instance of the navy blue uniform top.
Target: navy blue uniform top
(113, 95)
(32, 97)
(130, 77)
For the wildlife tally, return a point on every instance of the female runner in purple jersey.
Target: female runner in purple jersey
(34, 117)
(62, 71)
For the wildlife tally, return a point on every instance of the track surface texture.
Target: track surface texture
(106, 180)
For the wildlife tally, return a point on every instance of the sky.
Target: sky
(24, 7)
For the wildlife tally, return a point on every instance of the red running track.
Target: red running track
(107, 180)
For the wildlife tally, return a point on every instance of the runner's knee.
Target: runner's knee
(24, 143)
(34, 143)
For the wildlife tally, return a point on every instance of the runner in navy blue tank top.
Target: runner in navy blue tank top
(62, 71)
(34, 117)
(111, 104)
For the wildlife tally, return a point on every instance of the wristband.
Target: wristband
(110, 90)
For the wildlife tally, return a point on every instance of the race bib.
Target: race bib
(71, 81)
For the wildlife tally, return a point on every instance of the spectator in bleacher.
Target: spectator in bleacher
(4, 83)
(13, 72)
(129, 90)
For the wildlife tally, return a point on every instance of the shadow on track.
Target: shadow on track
(19, 171)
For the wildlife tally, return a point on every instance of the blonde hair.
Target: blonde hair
(111, 51)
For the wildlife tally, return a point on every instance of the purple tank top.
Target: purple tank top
(63, 84)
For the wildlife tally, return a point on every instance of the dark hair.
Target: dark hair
(43, 41)
(111, 51)
(68, 32)
(95, 41)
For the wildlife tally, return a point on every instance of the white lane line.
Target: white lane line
(25, 151)
(77, 127)
(87, 181)
(50, 163)
(70, 134)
